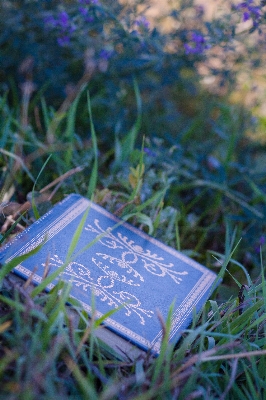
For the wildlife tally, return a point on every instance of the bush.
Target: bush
(106, 44)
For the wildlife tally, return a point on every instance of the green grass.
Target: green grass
(44, 355)
(170, 188)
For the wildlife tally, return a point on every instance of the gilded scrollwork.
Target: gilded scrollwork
(124, 264)
(103, 286)
(133, 253)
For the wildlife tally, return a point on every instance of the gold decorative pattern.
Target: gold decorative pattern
(81, 277)
(134, 253)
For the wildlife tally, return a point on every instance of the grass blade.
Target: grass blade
(94, 173)
(33, 204)
(6, 268)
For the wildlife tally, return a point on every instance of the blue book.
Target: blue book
(119, 266)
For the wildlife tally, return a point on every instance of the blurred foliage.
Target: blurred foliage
(54, 45)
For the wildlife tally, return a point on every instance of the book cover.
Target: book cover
(124, 269)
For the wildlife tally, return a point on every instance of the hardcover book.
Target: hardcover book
(120, 266)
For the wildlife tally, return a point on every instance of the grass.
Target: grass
(44, 355)
(202, 197)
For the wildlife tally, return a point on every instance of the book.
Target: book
(123, 268)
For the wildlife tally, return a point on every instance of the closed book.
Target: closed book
(118, 266)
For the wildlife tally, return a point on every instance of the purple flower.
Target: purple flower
(189, 49)
(105, 54)
(246, 16)
(89, 2)
(142, 22)
(149, 152)
(63, 25)
(85, 13)
(196, 45)
(50, 21)
(63, 41)
(197, 38)
(63, 19)
(250, 11)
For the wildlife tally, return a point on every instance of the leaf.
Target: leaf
(136, 175)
